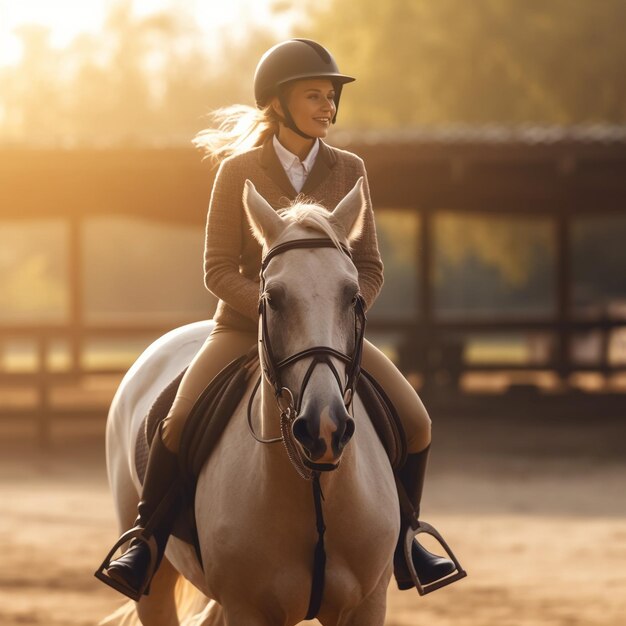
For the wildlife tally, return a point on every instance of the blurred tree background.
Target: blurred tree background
(508, 61)
(151, 79)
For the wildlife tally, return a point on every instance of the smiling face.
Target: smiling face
(311, 104)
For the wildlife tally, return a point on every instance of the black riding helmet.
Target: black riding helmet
(295, 59)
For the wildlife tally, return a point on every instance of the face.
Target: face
(311, 104)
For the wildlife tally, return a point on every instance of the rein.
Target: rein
(285, 400)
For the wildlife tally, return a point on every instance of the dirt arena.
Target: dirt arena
(535, 508)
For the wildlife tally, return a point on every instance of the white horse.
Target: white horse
(255, 515)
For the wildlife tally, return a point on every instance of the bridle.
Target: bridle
(272, 368)
(285, 399)
(321, 354)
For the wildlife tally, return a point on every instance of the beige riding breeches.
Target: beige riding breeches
(222, 346)
(410, 408)
(225, 344)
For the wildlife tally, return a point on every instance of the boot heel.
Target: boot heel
(425, 588)
(118, 585)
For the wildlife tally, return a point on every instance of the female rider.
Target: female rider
(278, 147)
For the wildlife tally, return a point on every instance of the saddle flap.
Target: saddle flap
(211, 413)
(384, 418)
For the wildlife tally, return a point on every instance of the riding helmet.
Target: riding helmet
(294, 60)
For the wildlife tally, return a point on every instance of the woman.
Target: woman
(297, 90)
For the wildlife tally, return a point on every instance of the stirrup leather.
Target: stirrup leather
(411, 535)
(134, 533)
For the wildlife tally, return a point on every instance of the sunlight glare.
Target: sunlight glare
(66, 19)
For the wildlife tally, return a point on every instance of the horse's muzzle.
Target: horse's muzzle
(322, 436)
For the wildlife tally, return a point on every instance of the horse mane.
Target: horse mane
(307, 213)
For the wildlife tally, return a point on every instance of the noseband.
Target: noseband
(321, 354)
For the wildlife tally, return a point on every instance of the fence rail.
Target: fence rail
(561, 181)
(427, 351)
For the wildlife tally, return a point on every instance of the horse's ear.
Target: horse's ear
(350, 211)
(265, 223)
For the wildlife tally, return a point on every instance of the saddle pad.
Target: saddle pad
(157, 413)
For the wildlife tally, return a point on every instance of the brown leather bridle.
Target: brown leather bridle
(321, 354)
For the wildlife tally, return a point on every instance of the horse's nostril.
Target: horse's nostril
(301, 432)
(314, 447)
(348, 432)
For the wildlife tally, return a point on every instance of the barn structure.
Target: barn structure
(555, 338)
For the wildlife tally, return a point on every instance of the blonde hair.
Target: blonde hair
(236, 129)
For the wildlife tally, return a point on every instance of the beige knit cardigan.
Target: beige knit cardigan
(232, 256)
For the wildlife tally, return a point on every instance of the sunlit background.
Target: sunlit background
(494, 132)
(99, 72)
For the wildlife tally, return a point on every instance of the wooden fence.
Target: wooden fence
(562, 180)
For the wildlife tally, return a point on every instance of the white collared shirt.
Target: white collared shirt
(297, 171)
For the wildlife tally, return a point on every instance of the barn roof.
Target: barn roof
(528, 134)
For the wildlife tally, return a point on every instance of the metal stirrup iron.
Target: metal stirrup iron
(418, 527)
(133, 533)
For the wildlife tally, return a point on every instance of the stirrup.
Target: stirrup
(410, 536)
(134, 533)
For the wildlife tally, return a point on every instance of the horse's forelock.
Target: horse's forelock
(310, 215)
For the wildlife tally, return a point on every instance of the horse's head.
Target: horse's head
(311, 317)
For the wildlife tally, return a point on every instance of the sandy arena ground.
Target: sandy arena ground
(536, 511)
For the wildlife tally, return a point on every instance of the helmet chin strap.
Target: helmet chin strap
(288, 120)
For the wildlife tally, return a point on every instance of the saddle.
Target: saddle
(212, 412)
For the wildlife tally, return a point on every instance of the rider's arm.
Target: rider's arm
(223, 244)
(365, 253)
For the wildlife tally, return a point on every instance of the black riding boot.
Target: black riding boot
(132, 572)
(428, 567)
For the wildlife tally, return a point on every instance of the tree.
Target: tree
(509, 61)
(418, 62)
(140, 80)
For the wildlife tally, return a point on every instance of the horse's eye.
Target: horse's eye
(274, 297)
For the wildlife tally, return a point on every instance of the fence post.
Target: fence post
(564, 278)
(44, 414)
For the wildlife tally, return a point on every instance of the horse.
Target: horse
(255, 515)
